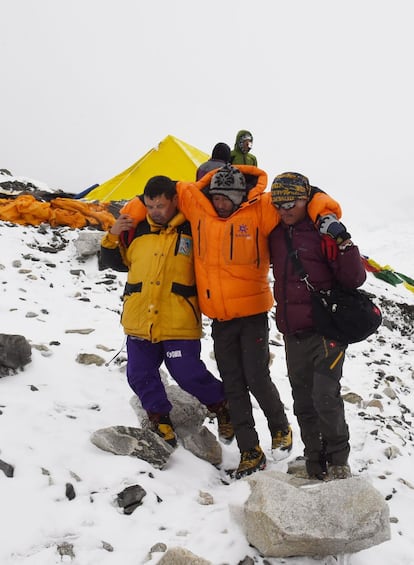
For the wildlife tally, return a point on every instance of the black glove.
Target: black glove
(330, 225)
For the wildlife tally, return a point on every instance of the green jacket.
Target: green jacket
(237, 156)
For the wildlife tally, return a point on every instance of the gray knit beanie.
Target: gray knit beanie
(229, 182)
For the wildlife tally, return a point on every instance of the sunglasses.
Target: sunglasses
(285, 205)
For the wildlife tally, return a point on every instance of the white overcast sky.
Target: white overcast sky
(326, 87)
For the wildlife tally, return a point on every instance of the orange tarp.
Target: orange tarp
(26, 210)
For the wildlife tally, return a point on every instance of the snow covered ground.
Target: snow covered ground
(49, 410)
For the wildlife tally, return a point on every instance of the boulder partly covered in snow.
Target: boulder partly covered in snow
(285, 516)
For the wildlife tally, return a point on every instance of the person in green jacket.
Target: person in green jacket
(241, 153)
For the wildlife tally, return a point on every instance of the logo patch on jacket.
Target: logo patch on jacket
(185, 246)
(243, 230)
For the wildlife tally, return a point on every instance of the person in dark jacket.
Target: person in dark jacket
(241, 153)
(220, 156)
(161, 315)
(314, 362)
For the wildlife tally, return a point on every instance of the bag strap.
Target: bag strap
(297, 263)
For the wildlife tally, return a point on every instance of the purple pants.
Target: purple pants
(182, 359)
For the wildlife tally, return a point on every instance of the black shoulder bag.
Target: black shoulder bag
(345, 315)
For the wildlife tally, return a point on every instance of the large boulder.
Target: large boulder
(285, 516)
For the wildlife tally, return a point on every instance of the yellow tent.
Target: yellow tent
(173, 158)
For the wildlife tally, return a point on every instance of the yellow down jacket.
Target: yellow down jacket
(231, 255)
(160, 300)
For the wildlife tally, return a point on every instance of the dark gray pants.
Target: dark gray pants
(315, 369)
(241, 347)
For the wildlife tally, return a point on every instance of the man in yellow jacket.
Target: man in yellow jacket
(231, 218)
(161, 315)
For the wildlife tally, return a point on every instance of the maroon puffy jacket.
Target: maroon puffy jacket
(293, 302)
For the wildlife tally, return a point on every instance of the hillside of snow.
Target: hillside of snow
(65, 306)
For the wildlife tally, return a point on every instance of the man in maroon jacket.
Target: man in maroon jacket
(314, 362)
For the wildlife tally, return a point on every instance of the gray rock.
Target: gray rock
(181, 556)
(143, 444)
(392, 452)
(204, 445)
(88, 243)
(7, 469)
(65, 549)
(130, 498)
(15, 351)
(158, 548)
(187, 416)
(282, 518)
(390, 392)
(90, 359)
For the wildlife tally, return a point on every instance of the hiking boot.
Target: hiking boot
(251, 460)
(339, 472)
(282, 444)
(162, 425)
(225, 427)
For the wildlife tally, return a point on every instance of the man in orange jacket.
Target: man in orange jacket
(231, 218)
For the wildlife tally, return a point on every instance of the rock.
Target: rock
(88, 243)
(143, 444)
(7, 469)
(90, 359)
(70, 491)
(130, 498)
(203, 444)
(107, 546)
(283, 519)
(205, 498)
(187, 416)
(65, 549)
(15, 351)
(390, 392)
(158, 548)
(352, 398)
(374, 403)
(392, 452)
(181, 556)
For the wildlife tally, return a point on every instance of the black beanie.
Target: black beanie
(221, 152)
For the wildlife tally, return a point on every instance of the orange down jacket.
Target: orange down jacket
(231, 255)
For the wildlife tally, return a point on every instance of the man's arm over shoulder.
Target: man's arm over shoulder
(135, 208)
(321, 204)
(191, 193)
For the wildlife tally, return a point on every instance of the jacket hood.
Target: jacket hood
(239, 135)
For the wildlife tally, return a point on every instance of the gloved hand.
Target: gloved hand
(330, 225)
(329, 247)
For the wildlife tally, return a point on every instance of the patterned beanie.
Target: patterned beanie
(229, 182)
(290, 186)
